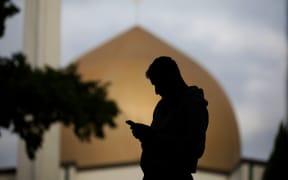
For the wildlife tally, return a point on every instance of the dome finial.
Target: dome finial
(136, 13)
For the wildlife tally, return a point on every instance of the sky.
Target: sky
(243, 44)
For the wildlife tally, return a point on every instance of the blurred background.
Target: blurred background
(243, 44)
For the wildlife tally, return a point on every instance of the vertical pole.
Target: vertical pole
(286, 67)
(42, 32)
(136, 15)
(41, 47)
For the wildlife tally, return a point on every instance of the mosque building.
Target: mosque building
(123, 61)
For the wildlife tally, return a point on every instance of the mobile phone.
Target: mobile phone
(130, 122)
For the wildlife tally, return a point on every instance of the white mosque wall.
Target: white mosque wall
(68, 173)
(209, 176)
(7, 177)
(122, 173)
(236, 175)
(247, 170)
(119, 173)
(126, 173)
(258, 172)
(251, 170)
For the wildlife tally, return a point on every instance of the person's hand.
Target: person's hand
(140, 131)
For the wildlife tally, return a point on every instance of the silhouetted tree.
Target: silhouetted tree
(32, 99)
(7, 9)
(276, 167)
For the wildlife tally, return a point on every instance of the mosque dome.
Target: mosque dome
(123, 62)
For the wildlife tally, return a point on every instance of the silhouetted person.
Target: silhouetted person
(175, 141)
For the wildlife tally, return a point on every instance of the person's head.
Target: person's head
(165, 75)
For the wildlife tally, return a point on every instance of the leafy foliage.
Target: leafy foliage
(33, 99)
(276, 167)
(7, 9)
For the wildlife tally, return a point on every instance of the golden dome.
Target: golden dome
(123, 62)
